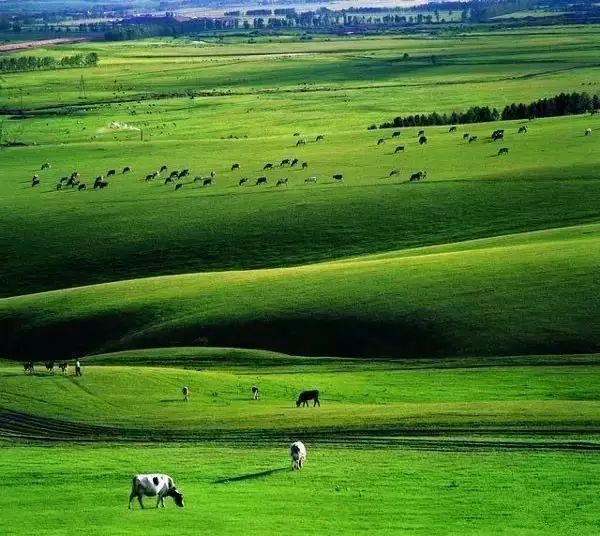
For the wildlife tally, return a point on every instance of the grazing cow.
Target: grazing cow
(418, 176)
(49, 366)
(82, 186)
(261, 180)
(234, 167)
(207, 182)
(466, 136)
(301, 142)
(110, 172)
(305, 396)
(284, 162)
(174, 174)
(380, 141)
(588, 131)
(45, 165)
(452, 129)
(396, 134)
(502, 150)
(59, 186)
(394, 172)
(498, 134)
(298, 454)
(100, 184)
(27, 367)
(338, 178)
(213, 174)
(178, 186)
(422, 140)
(399, 149)
(163, 168)
(296, 133)
(186, 393)
(255, 393)
(243, 181)
(168, 180)
(311, 179)
(126, 169)
(304, 165)
(74, 175)
(64, 367)
(282, 181)
(35, 180)
(294, 162)
(421, 133)
(156, 485)
(472, 139)
(268, 166)
(183, 173)
(149, 177)
(522, 129)
(320, 137)
(64, 179)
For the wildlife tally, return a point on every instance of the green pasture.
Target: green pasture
(230, 490)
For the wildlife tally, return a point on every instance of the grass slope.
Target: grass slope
(496, 297)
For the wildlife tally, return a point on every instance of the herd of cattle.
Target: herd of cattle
(29, 367)
(176, 177)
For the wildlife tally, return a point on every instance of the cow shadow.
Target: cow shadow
(171, 400)
(250, 476)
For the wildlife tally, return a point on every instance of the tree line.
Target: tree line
(562, 104)
(16, 64)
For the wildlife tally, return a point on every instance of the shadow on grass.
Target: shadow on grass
(250, 476)
(171, 401)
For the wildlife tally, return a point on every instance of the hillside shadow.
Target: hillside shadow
(250, 476)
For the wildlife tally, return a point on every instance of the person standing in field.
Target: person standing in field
(77, 368)
(186, 394)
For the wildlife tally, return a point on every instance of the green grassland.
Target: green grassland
(451, 324)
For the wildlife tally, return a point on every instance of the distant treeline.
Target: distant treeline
(18, 64)
(563, 104)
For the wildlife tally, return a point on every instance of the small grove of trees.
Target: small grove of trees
(17, 64)
(563, 104)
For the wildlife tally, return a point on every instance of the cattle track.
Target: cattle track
(24, 427)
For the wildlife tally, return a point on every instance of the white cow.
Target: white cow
(154, 485)
(588, 131)
(298, 454)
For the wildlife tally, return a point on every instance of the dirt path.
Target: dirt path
(12, 47)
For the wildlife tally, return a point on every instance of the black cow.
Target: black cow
(178, 186)
(168, 180)
(498, 134)
(100, 184)
(339, 177)
(261, 180)
(110, 172)
(234, 167)
(522, 129)
(49, 366)
(466, 136)
(59, 186)
(183, 173)
(320, 137)
(284, 162)
(421, 133)
(149, 177)
(380, 141)
(207, 182)
(243, 181)
(64, 367)
(82, 186)
(399, 149)
(305, 396)
(472, 139)
(452, 129)
(282, 181)
(163, 168)
(174, 174)
(396, 134)
(502, 150)
(304, 165)
(418, 176)
(294, 162)
(126, 169)
(422, 140)
(255, 393)
(35, 180)
(268, 166)
(394, 172)
(46, 165)
(301, 142)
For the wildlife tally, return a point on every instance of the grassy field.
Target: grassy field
(450, 324)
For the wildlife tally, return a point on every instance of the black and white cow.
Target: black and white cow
(154, 485)
(298, 454)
